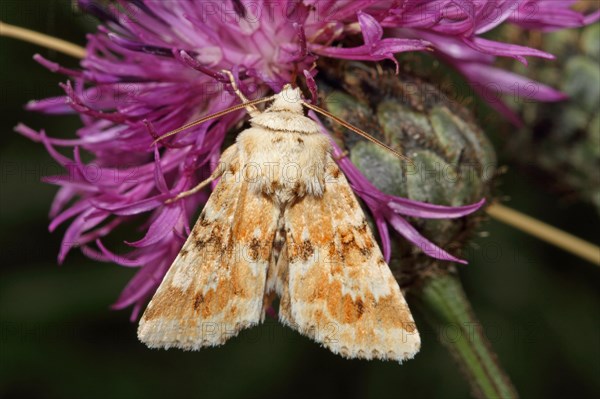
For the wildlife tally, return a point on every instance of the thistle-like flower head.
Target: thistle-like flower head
(154, 66)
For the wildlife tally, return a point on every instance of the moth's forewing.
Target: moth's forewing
(337, 288)
(216, 285)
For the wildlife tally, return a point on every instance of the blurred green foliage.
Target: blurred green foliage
(58, 337)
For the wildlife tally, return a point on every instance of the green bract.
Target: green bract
(453, 161)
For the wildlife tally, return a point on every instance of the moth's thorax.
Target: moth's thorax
(284, 164)
(285, 121)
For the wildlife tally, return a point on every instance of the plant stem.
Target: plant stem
(42, 40)
(545, 232)
(443, 302)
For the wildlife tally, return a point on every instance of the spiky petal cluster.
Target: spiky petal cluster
(454, 29)
(153, 66)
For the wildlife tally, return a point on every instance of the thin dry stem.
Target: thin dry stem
(41, 39)
(545, 232)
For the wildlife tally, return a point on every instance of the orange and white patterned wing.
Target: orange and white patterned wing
(216, 285)
(336, 287)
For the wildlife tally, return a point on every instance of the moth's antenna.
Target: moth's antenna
(356, 130)
(212, 116)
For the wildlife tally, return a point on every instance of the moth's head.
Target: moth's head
(288, 99)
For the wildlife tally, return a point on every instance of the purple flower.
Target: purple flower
(155, 65)
(454, 28)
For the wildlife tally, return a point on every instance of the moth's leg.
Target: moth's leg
(194, 190)
(228, 157)
(344, 154)
(252, 110)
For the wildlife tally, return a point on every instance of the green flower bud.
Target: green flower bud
(453, 161)
(562, 140)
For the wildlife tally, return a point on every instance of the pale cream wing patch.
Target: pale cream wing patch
(216, 285)
(336, 287)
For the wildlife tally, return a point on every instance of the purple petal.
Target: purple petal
(412, 235)
(147, 279)
(420, 209)
(160, 227)
(73, 235)
(133, 208)
(186, 59)
(54, 67)
(62, 197)
(312, 86)
(505, 49)
(493, 14)
(384, 235)
(143, 284)
(77, 208)
(502, 81)
(123, 260)
(371, 29)
(51, 106)
(141, 47)
(384, 49)
(159, 177)
(430, 211)
(592, 18)
(101, 231)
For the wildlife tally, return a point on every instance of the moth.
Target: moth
(282, 222)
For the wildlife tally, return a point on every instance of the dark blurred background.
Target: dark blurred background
(58, 337)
